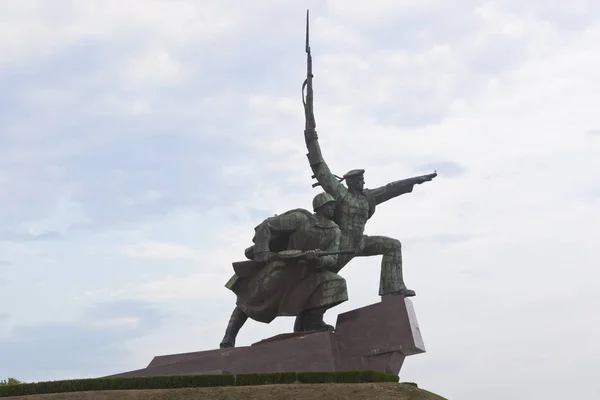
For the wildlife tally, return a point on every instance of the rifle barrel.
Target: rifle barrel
(331, 253)
(307, 46)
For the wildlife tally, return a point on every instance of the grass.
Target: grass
(329, 391)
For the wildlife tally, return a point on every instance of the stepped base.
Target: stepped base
(376, 337)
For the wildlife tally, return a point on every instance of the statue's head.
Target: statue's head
(324, 204)
(355, 179)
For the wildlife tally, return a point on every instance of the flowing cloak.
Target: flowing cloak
(288, 287)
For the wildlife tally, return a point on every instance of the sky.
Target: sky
(142, 141)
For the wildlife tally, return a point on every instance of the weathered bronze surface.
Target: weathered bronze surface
(290, 272)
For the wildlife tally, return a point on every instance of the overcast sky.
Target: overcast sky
(142, 141)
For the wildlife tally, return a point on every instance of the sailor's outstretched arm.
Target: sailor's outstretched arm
(397, 188)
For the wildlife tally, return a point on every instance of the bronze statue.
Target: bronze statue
(290, 271)
(355, 204)
(292, 266)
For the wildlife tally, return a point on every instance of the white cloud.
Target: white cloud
(117, 323)
(153, 66)
(497, 252)
(382, 11)
(168, 251)
(33, 29)
(208, 286)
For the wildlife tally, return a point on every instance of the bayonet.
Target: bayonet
(311, 125)
(307, 37)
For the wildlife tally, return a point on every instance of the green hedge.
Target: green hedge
(155, 382)
(188, 381)
(266, 378)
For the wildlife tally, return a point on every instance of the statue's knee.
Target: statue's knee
(249, 253)
(338, 283)
(395, 244)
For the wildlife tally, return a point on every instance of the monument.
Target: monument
(292, 269)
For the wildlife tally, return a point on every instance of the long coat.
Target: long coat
(286, 288)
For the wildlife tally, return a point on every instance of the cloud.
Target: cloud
(447, 239)
(27, 237)
(167, 251)
(446, 168)
(205, 286)
(593, 132)
(91, 343)
(154, 137)
(54, 160)
(51, 30)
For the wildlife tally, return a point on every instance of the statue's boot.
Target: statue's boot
(404, 292)
(299, 323)
(237, 320)
(312, 320)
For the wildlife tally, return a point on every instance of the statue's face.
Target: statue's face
(356, 182)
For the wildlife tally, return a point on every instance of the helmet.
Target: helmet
(322, 199)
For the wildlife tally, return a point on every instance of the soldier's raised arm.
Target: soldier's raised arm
(397, 188)
(330, 183)
(326, 179)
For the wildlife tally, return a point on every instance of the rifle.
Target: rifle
(310, 128)
(246, 268)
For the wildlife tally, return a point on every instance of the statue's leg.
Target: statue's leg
(330, 291)
(299, 323)
(391, 281)
(312, 320)
(237, 320)
(346, 242)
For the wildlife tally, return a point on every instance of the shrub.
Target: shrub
(188, 381)
(265, 378)
(154, 382)
(10, 381)
(411, 383)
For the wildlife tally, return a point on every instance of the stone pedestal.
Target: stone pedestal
(376, 337)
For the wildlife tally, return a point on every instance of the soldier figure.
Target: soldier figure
(355, 206)
(304, 286)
